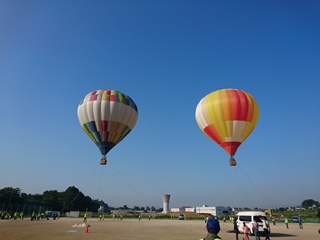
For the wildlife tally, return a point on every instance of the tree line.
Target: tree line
(72, 199)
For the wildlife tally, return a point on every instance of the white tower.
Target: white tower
(165, 200)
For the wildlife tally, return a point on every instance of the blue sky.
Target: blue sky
(166, 55)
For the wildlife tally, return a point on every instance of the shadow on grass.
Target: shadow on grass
(281, 235)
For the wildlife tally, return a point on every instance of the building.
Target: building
(165, 200)
(214, 211)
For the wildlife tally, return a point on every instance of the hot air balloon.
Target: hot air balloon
(107, 117)
(227, 116)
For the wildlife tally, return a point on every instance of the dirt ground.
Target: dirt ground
(134, 229)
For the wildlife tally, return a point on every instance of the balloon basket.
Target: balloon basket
(232, 162)
(103, 161)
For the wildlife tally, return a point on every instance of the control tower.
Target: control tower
(165, 200)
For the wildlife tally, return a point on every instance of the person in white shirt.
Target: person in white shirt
(265, 228)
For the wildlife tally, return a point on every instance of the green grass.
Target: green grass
(306, 215)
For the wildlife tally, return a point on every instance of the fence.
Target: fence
(27, 209)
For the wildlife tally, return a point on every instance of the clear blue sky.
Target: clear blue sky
(166, 55)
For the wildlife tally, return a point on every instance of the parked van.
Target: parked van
(248, 218)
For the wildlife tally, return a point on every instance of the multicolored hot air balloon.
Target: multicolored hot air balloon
(107, 117)
(227, 116)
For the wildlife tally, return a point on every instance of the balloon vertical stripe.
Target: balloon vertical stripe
(228, 117)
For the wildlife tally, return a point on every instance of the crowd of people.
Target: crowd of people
(213, 228)
(4, 215)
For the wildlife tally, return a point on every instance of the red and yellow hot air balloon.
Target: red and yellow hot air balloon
(227, 116)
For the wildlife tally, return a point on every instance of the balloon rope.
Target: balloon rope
(100, 183)
(282, 186)
(81, 188)
(235, 197)
(128, 183)
(255, 185)
(290, 190)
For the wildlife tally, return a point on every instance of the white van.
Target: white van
(248, 218)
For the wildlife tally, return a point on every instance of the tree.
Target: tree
(101, 203)
(10, 195)
(51, 199)
(36, 199)
(309, 203)
(24, 197)
(71, 199)
(87, 203)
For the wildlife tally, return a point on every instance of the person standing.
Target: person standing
(286, 221)
(213, 228)
(300, 223)
(235, 228)
(85, 217)
(255, 228)
(246, 230)
(265, 228)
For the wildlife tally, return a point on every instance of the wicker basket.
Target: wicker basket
(233, 162)
(103, 161)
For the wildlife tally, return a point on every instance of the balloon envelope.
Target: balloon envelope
(227, 116)
(107, 117)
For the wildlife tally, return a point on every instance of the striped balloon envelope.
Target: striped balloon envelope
(227, 116)
(107, 117)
